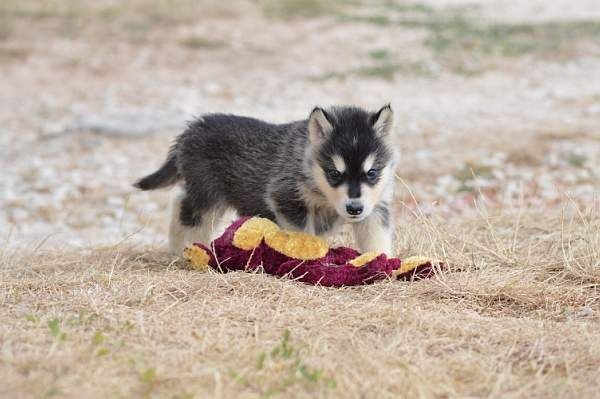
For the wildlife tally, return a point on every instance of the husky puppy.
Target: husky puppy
(311, 175)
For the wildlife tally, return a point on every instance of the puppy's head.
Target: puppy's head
(353, 157)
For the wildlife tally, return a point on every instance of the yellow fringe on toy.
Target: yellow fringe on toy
(197, 257)
(364, 259)
(249, 235)
(412, 263)
(297, 245)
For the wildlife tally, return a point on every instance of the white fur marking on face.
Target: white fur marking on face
(368, 163)
(336, 196)
(339, 163)
(372, 195)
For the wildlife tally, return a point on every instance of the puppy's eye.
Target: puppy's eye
(334, 174)
(372, 174)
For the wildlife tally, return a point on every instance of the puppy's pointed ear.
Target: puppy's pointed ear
(383, 122)
(319, 126)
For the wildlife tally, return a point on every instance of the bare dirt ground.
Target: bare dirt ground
(498, 110)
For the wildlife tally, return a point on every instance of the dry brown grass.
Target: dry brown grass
(516, 315)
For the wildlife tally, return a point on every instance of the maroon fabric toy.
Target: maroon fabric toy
(251, 242)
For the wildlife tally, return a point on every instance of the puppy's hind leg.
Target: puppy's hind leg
(191, 223)
(177, 231)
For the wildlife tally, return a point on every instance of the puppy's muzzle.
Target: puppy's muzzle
(354, 208)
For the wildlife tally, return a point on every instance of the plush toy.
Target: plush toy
(251, 242)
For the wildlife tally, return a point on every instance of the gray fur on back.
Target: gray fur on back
(259, 168)
(232, 159)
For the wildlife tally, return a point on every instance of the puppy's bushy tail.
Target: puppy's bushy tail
(167, 175)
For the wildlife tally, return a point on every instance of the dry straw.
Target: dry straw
(516, 315)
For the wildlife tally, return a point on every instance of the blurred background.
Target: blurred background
(497, 102)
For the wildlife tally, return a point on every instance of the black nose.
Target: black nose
(354, 209)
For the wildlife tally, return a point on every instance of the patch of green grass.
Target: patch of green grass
(32, 318)
(184, 395)
(374, 19)
(155, 12)
(285, 360)
(576, 160)
(387, 12)
(467, 174)
(199, 42)
(137, 31)
(55, 330)
(316, 8)
(287, 9)
(133, 20)
(330, 75)
(148, 380)
(459, 67)
(126, 326)
(457, 31)
(98, 337)
(83, 318)
(102, 352)
(51, 393)
(384, 71)
(148, 376)
(458, 34)
(64, 9)
(387, 70)
(379, 54)
(412, 8)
